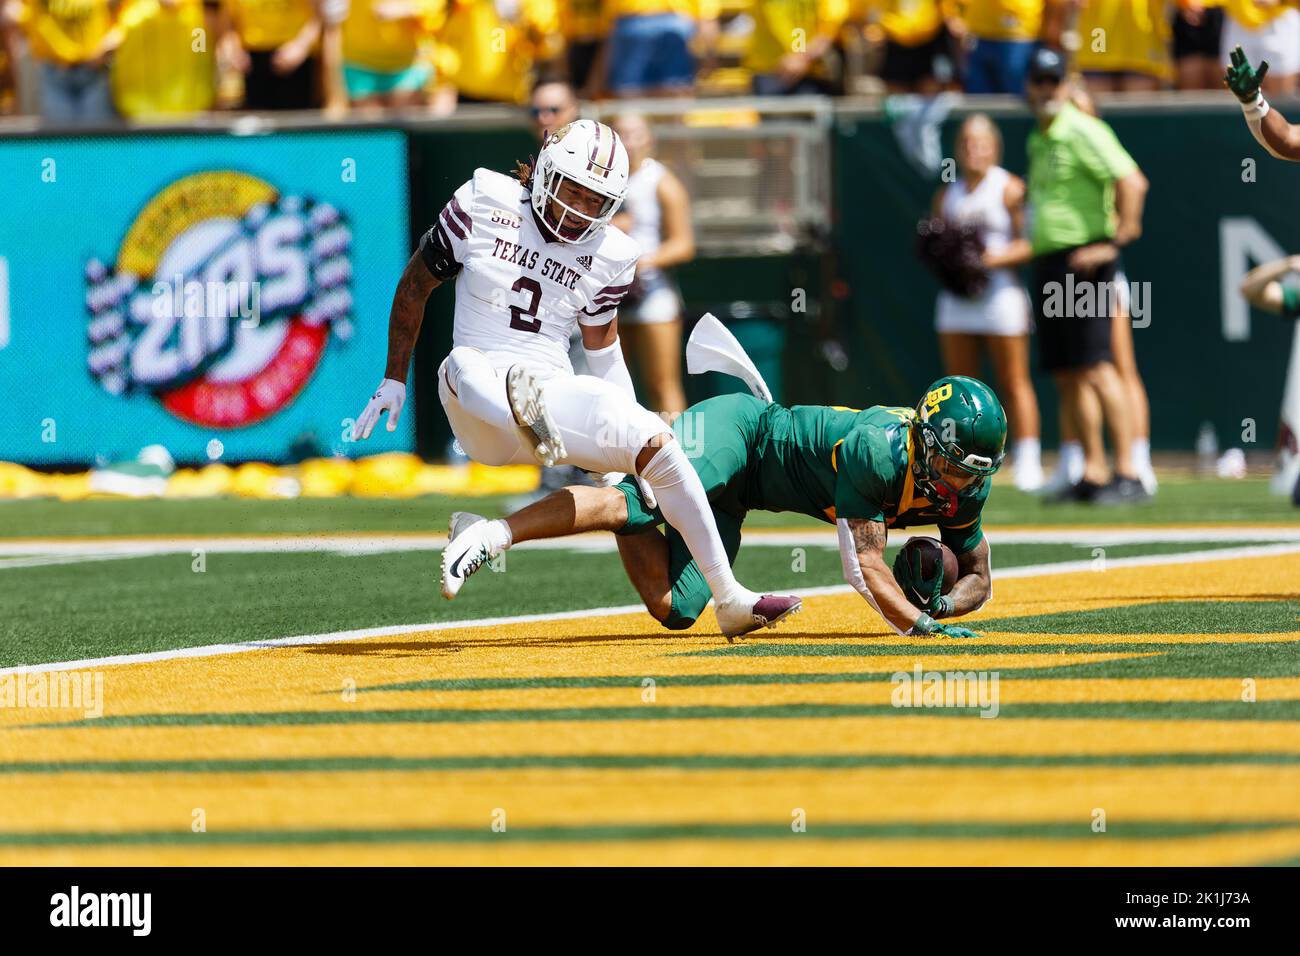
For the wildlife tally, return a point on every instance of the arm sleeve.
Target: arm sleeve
(1290, 301)
(608, 364)
(444, 246)
(853, 568)
(605, 302)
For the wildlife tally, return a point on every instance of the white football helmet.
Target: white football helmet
(589, 154)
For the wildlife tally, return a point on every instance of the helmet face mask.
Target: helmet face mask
(562, 216)
(587, 155)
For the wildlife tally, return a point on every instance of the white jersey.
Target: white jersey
(983, 208)
(1003, 309)
(519, 296)
(642, 204)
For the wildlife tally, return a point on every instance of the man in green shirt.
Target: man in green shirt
(1087, 194)
(864, 471)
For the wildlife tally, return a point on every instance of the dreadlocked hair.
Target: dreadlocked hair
(524, 170)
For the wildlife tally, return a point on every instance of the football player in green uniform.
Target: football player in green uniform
(865, 471)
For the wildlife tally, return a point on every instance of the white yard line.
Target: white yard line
(34, 552)
(214, 650)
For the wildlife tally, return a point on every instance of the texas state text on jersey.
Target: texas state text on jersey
(519, 295)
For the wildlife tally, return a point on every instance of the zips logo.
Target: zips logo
(222, 300)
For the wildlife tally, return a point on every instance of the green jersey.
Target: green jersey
(844, 463)
(825, 462)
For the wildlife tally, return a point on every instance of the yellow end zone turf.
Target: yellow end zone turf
(606, 740)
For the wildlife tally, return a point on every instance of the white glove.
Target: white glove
(389, 397)
(607, 480)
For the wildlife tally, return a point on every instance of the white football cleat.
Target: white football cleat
(466, 552)
(535, 422)
(739, 617)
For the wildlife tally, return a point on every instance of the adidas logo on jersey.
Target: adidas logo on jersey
(585, 262)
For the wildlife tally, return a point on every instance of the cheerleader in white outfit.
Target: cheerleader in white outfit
(992, 200)
(657, 214)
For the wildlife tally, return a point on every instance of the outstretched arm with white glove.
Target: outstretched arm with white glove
(404, 320)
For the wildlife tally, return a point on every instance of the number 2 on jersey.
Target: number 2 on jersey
(517, 320)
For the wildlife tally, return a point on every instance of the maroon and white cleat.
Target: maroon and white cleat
(736, 619)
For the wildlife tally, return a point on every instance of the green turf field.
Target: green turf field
(1181, 500)
(1141, 674)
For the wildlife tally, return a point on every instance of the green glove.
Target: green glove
(925, 593)
(931, 628)
(1242, 79)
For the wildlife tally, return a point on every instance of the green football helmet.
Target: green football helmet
(962, 436)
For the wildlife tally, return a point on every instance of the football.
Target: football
(931, 550)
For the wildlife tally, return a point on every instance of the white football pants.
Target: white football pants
(603, 428)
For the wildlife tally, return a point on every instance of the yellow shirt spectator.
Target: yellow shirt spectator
(66, 31)
(789, 26)
(583, 20)
(157, 70)
(693, 9)
(266, 24)
(906, 22)
(388, 45)
(1003, 19)
(488, 57)
(1130, 36)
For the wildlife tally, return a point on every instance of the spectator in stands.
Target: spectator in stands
(73, 45)
(788, 50)
(10, 54)
(919, 54)
(657, 214)
(1087, 195)
(157, 71)
(1000, 37)
(991, 199)
(383, 42)
(1124, 43)
(1197, 31)
(1265, 30)
(487, 52)
(554, 104)
(276, 44)
(585, 24)
(649, 46)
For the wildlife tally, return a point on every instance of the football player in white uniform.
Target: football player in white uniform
(530, 259)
